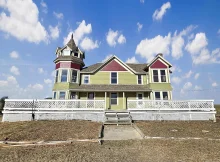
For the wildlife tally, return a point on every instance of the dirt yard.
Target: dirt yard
(129, 151)
(49, 130)
(202, 129)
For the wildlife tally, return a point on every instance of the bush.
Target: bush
(2, 103)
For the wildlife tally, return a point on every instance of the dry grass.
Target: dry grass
(49, 130)
(181, 128)
(129, 151)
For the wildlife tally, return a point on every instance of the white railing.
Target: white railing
(188, 105)
(53, 104)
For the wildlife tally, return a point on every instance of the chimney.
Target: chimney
(159, 54)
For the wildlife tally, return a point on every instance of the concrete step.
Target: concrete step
(117, 117)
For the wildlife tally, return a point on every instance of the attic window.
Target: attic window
(76, 54)
(66, 52)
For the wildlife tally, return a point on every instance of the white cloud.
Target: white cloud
(142, 1)
(14, 55)
(214, 84)
(36, 87)
(58, 15)
(197, 88)
(140, 26)
(148, 48)
(175, 68)
(132, 60)
(121, 39)
(176, 80)
(196, 45)
(54, 32)
(159, 13)
(196, 76)
(47, 81)
(188, 75)
(21, 21)
(112, 37)
(44, 6)
(107, 57)
(186, 87)
(88, 44)
(178, 41)
(14, 70)
(40, 70)
(79, 33)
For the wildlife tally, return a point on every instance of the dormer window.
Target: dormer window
(76, 54)
(66, 52)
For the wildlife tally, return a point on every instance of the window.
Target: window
(114, 99)
(64, 76)
(86, 79)
(163, 75)
(76, 54)
(155, 75)
(113, 78)
(66, 52)
(56, 79)
(159, 75)
(91, 95)
(62, 95)
(139, 79)
(73, 95)
(157, 95)
(165, 95)
(74, 76)
(54, 95)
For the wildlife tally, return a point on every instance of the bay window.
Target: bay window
(62, 95)
(56, 77)
(64, 76)
(54, 95)
(74, 76)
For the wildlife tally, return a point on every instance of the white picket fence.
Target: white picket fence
(171, 105)
(11, 104)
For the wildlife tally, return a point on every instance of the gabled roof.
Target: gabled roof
(161, 57)
(134, 68)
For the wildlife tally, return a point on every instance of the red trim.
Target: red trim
(113, 66)
(67, 65)
(158, 64)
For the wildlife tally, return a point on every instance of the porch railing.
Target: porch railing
(11, 104)
(188, 105)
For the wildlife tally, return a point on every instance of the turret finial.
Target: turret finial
(72, 36)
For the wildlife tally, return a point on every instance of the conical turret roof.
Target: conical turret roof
(71, 44)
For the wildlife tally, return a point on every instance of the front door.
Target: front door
(90, 101)
(140, 96)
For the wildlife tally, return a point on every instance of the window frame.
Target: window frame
(161, 95)
(159, 75)
(113, 78)
(84, 79)
(140, 79)
(54, 95)
(64, 95)
(113, 98)
(72, 76)
(62, 75)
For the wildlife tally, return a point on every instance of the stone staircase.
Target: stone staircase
(117, 117)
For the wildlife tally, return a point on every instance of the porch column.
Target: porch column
(105, 100)
(123, 100)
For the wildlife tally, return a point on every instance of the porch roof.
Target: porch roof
(111, 88)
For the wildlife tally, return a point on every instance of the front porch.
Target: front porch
(27, 110)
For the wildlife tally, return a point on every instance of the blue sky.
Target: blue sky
(186, 32)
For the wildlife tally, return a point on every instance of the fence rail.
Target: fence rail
(51, 104)
(190, 105)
